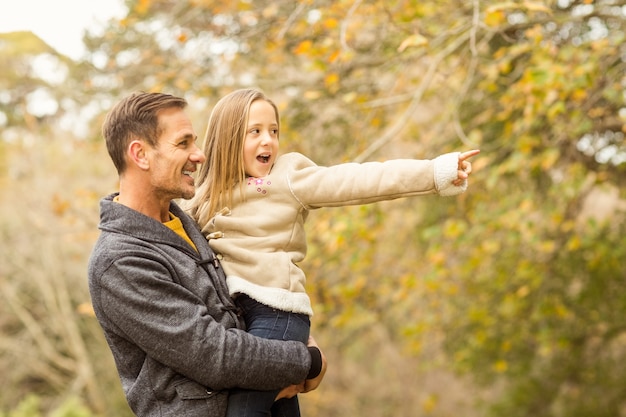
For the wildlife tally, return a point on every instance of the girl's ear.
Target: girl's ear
(137, 154)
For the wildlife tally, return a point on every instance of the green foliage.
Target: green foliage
(26, 408)
(72, 408)
(30, 72)
(31, 407)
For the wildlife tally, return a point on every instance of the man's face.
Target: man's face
(176, 156)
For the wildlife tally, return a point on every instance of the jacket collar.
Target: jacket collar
(118, 218)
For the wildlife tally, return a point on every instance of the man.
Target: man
(157, 289)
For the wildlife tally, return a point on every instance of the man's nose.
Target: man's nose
(197, 155)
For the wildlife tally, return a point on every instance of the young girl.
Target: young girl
(252, 203)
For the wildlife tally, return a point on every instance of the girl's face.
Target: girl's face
(260, 148)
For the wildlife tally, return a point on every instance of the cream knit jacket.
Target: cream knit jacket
(261, 239)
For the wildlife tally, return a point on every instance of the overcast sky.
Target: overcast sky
(60, 23)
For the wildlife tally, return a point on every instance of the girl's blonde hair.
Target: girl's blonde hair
(223, 148)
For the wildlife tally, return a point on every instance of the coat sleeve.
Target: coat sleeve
(174, 326)
(362, 183)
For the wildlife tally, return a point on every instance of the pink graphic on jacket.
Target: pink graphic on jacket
(260, 184)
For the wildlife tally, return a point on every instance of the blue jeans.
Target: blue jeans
(268, 323)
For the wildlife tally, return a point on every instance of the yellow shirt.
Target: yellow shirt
(177, 227)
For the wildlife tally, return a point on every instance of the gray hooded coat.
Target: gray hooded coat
(169, 321)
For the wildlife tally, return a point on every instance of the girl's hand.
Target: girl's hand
(465, 166)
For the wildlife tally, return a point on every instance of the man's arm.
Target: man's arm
(175, 327)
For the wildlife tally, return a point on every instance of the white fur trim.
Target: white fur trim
(280, 298)
(446, 168)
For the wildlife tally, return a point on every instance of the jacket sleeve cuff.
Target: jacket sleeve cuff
(446, 168)
(316, 362)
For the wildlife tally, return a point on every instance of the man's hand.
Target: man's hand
(290, 391)
(311, 384)
(308, 385)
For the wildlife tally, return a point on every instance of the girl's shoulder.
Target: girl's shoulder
(293, 160)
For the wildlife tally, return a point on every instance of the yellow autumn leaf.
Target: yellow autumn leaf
(331, 79)
(574, 243)
(85, 309)
(550, 158)
(561, 311)
(333, 56)
(578, 95)
(349, 97)
(505, 346)
(507, 5)
(303, 47)
(330, 23)
(437, 258)
(547, 246)
(182, 84)
(143, 6)
(490, 246)
(59, 205)
(415, 40)
(535, 6)
(523, 291)
(452, 289)
(270, 11)
(494, 17)
(430, 402)
(501, 366)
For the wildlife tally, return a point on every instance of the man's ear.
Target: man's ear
(137, 154)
